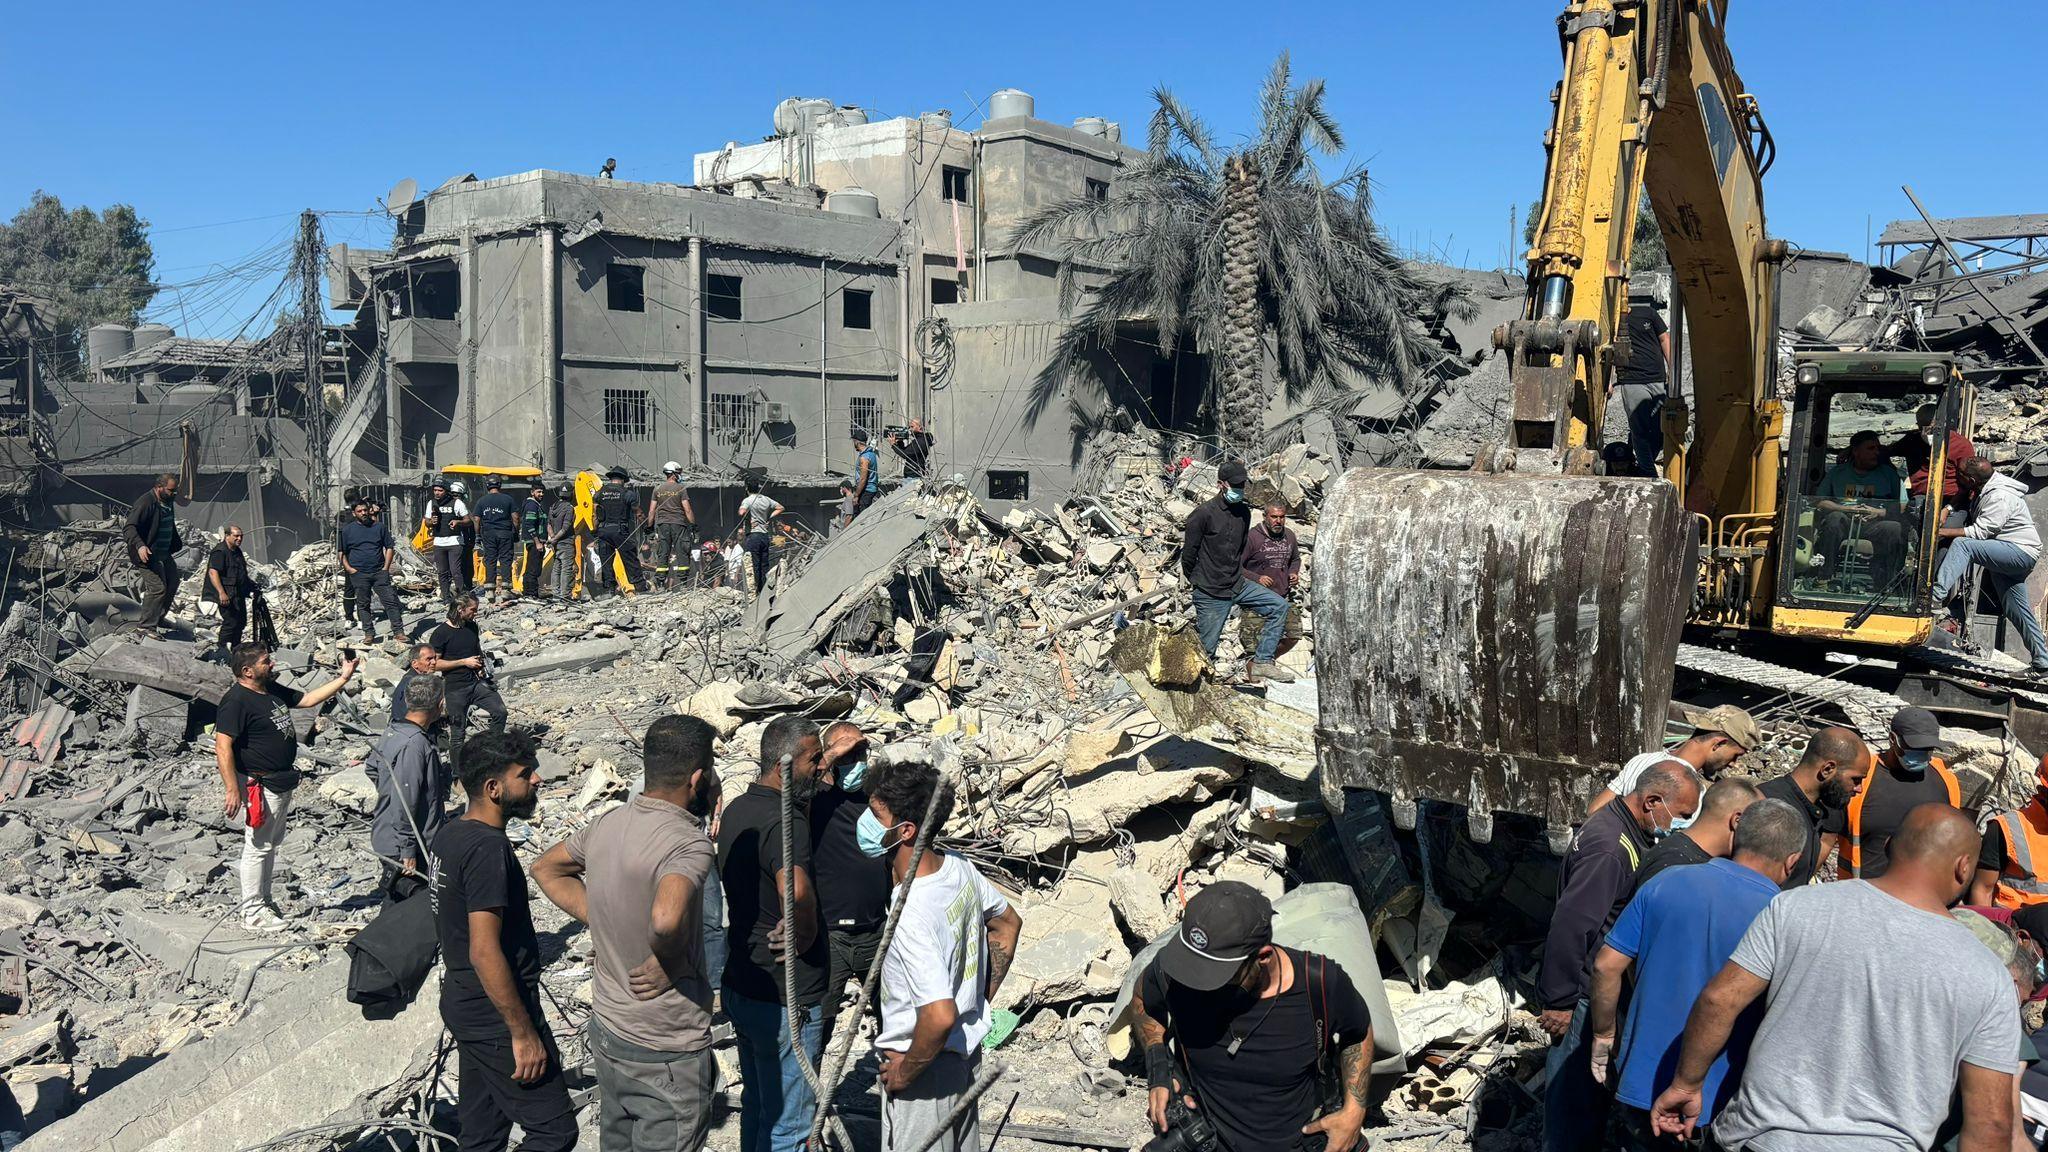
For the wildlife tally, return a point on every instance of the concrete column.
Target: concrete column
(700, 399)
(392, 393)
(550, 454)
(910, 278)
(824, 383)
(466, 366)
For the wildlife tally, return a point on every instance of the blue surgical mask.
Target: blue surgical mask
(872, 837)
(1234, 495)
(1915, 760)
(1681, 823)
(850, 779)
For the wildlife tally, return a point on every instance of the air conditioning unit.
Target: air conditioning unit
(775, 412)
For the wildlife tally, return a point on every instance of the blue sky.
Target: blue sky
(219, 121)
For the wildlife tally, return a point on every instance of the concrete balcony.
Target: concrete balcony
(420, 340)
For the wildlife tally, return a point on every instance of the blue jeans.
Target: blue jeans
(714, 929)
(1574, 1104)
(776, 1102)
(1213, 612)
(2006, 567)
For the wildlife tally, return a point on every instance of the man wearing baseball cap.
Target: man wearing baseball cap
(1719, 738)
(1212, 560)
(1908, 774)
(1253, 1025)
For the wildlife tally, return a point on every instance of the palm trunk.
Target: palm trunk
(1242, 409)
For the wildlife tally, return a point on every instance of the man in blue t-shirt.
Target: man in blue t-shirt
(1864, 487)
(1676, 934)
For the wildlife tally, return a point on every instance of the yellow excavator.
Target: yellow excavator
(1517, 625)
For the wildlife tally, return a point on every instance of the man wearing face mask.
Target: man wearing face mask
(636, 875)
(1822, 783)
(1909, 774)
(853, 888)
(953, 945)
(1253, 1026)
(1595, 884)
(1212, 559)
(1880, 1007)
(1711, 836)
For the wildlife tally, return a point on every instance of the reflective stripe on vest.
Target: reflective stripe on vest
(1940, 767)
(2019, 884)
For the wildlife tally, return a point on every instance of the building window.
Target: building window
(865, 413)
(625, 288)
(945, 291)
(628, 414)
(953, 183)
(722, 297)
(1098, 189)
(1009, 485)
(733, 412)
(857, 309)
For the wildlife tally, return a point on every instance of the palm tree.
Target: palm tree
(1238, 249)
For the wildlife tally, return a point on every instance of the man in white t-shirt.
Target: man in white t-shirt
(954, 942)
(1723, 734)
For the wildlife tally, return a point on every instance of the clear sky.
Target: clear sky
(219, 121)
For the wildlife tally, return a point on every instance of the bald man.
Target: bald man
(1871, 981)
(1820, 786)
(1711, 835)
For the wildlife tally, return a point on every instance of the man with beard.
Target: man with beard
(412, 788)
(1910, 773)
(636, 875)
(255, 746)
(511, 1071)
(367, 557)
(1820, 786)
(461, 665)
(153, 543)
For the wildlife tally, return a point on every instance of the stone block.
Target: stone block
(572, 657)
(216, 953)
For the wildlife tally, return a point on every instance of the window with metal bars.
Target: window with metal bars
(865, 415)
(734, 412)
(628, 414)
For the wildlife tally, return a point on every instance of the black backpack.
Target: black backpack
(388, 961)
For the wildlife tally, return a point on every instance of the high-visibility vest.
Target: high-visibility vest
(2026, 842)
(1938, 766)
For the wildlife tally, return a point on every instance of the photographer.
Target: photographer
(914, 445)
(1254, 1026)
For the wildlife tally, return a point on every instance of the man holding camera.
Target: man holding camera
(1254, 1025)
(914, 445)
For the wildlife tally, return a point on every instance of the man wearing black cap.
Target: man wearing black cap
(533, 537)
(1908, 774)
(1253, 1024)
(1212, 558)
(497, 517)
(618, 510)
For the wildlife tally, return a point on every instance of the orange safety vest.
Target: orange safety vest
(2026, 841)
(1955, 800)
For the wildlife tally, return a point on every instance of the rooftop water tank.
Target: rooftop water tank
(148, 334)
(854, 202)
(847, 116)
(1115, 133)
(939, 121)
(1092, 126)
(800, 114)
(103, 342)
(1011, 102)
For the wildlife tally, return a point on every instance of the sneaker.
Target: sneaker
(1273, 672)
(263, 918)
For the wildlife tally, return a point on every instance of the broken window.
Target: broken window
(865, 413)
(945, 291)
(625, 288)
(722, 297)
(1009, 485)
(628, 414)
(1098, 189)
(857, 309)
(733, 412)
(953, 183)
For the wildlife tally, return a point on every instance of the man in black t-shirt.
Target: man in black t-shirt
(462, 667)
(853, 887)
(1907, 774)
(1253, 1024)
(511, 1070)
(914, 445)
(776, 1101)
(227, 581)
(497, 517)
(1819, 787)
(1709, 835)
(1640, 382)
(256, 747)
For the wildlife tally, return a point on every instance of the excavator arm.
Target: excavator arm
(1510, 633)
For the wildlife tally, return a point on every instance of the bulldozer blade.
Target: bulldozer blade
(1498, 641)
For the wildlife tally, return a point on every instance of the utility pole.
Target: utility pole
(306, 262)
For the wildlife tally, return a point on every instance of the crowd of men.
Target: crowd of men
(1833, 958)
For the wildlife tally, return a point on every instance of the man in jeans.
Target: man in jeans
(366, 555)
(2000, 538)
(153, 543)
(636, 875)
(776, 1101)
(256, 747)
(1212, 559)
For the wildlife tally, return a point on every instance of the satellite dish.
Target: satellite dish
(402, 193)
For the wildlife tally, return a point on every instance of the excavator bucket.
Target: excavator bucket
(1497, 641)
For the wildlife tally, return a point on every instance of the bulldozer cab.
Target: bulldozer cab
(1857, 559)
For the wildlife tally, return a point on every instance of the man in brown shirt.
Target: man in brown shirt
(1272, 559)
(636, 875)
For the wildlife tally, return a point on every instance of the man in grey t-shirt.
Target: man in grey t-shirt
(1878, 1007)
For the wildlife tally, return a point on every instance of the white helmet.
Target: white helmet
(459, 488)
(671, 468)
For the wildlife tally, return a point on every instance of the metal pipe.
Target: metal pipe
(1557, 297)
